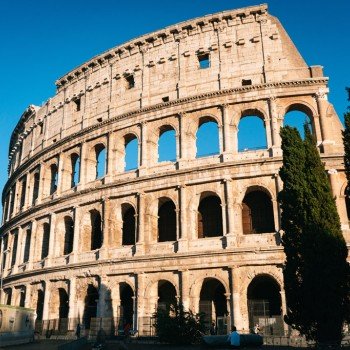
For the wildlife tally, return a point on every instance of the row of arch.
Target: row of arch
(263, 299)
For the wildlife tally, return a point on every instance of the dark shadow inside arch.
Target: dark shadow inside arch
(264, 305)
(129, 227)
(45, 240)
(39, 305)
(210, 217)
(213, 303)
(166, 220)
(207, 138)
(166, 295)
(257, 213)
(90, 307)
(127, 305)
(68, 235)
(54, 178)
(96, 229)
(347, 201)
(167, 144)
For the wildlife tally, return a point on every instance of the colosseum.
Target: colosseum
(128, 190)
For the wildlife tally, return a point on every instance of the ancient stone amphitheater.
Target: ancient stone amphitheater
(95, 235)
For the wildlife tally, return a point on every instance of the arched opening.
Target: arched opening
(36, 186)
(100, 152)
(68, 235)
(27, 245)
(257, 213)
(129, 227)
(209, 217)
(90, 309)
(63, 303)
(166, 295)
(131, 152)
(347, 201)
(8, 294)
(251, 132)
(264, 305)
(75, 162)
(40, 305)
(96, 229)
(22, 296)
(166, 220)
(126, 305)
(213, 304)
(167, 144)
(207, 138)
(53, 178)
(45, 241)
(297, 116)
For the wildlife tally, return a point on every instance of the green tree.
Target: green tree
(177, 326)
(316, 272)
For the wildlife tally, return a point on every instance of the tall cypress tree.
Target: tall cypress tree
(316, 272)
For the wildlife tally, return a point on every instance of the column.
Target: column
(76, 218)
(72, 314)
(32, 244)
(229, 310)
(140, 304)
(105, 228)
(111, 152)
(182, 222)
(322, 105)
(275, 138)
(231, 239)
(102, 296)
(143, 163)
(19, 248)
(228, 134)
(183, 154)
(50, 256)
(140, 242)
(60, 175)
(185, 291)
(284, 309)
(28, 298)
(234, 281)
(235, 139)
(47, 295)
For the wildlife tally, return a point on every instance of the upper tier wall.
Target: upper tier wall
(245, 44)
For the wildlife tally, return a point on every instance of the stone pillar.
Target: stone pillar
(140, 303)
(47, 295)
(229, 310)
(274, 124)
(76, 230)
(230, 236)
(228, 133)
(184, 289)
(322, 105)
(234, 281)
(111, 155)
(32, 244)
(182, 222)
(105, 228)
(19, 249)
(28, 297)
(235, 139)
(140, 242)
(101, 305)
(284, 309)
(267, 123)
(84, 163)
(72, 301)
(143, 154)
(50, 255)
(60, 174)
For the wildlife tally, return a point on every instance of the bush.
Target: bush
(177, 326)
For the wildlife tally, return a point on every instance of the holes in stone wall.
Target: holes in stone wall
(45, 241)
(100, 152)
(96, 229)
(251, 133)
(54, 178)
(131, 152)
(68, 235)
(207, 138)
(166, 220)
(203, 61)
(210, 217)
(75, 164)
(167, 144)
(129, 225)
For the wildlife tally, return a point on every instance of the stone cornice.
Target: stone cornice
(171, 33)
(238, 90)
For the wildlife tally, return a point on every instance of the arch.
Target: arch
(126, 304)
(251, 130)
(36, 186)
(167, 144)
(257, 212)
(68, 235)
(265, 304)
(100, 158)
(75, 166)
(45, 240)
(28, 238)
(90, 305)
(63, 303)
(131, 149)
(166, 295)
(209, 222)
(96, 229)
(207, 137)
(39, 305)
(129, 224)
(166, 220)
(212, 302)
(53, 178)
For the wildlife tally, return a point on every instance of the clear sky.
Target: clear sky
(41, 40)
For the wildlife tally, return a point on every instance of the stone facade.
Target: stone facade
(78, 243)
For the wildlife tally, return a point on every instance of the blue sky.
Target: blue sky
(41, 40)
